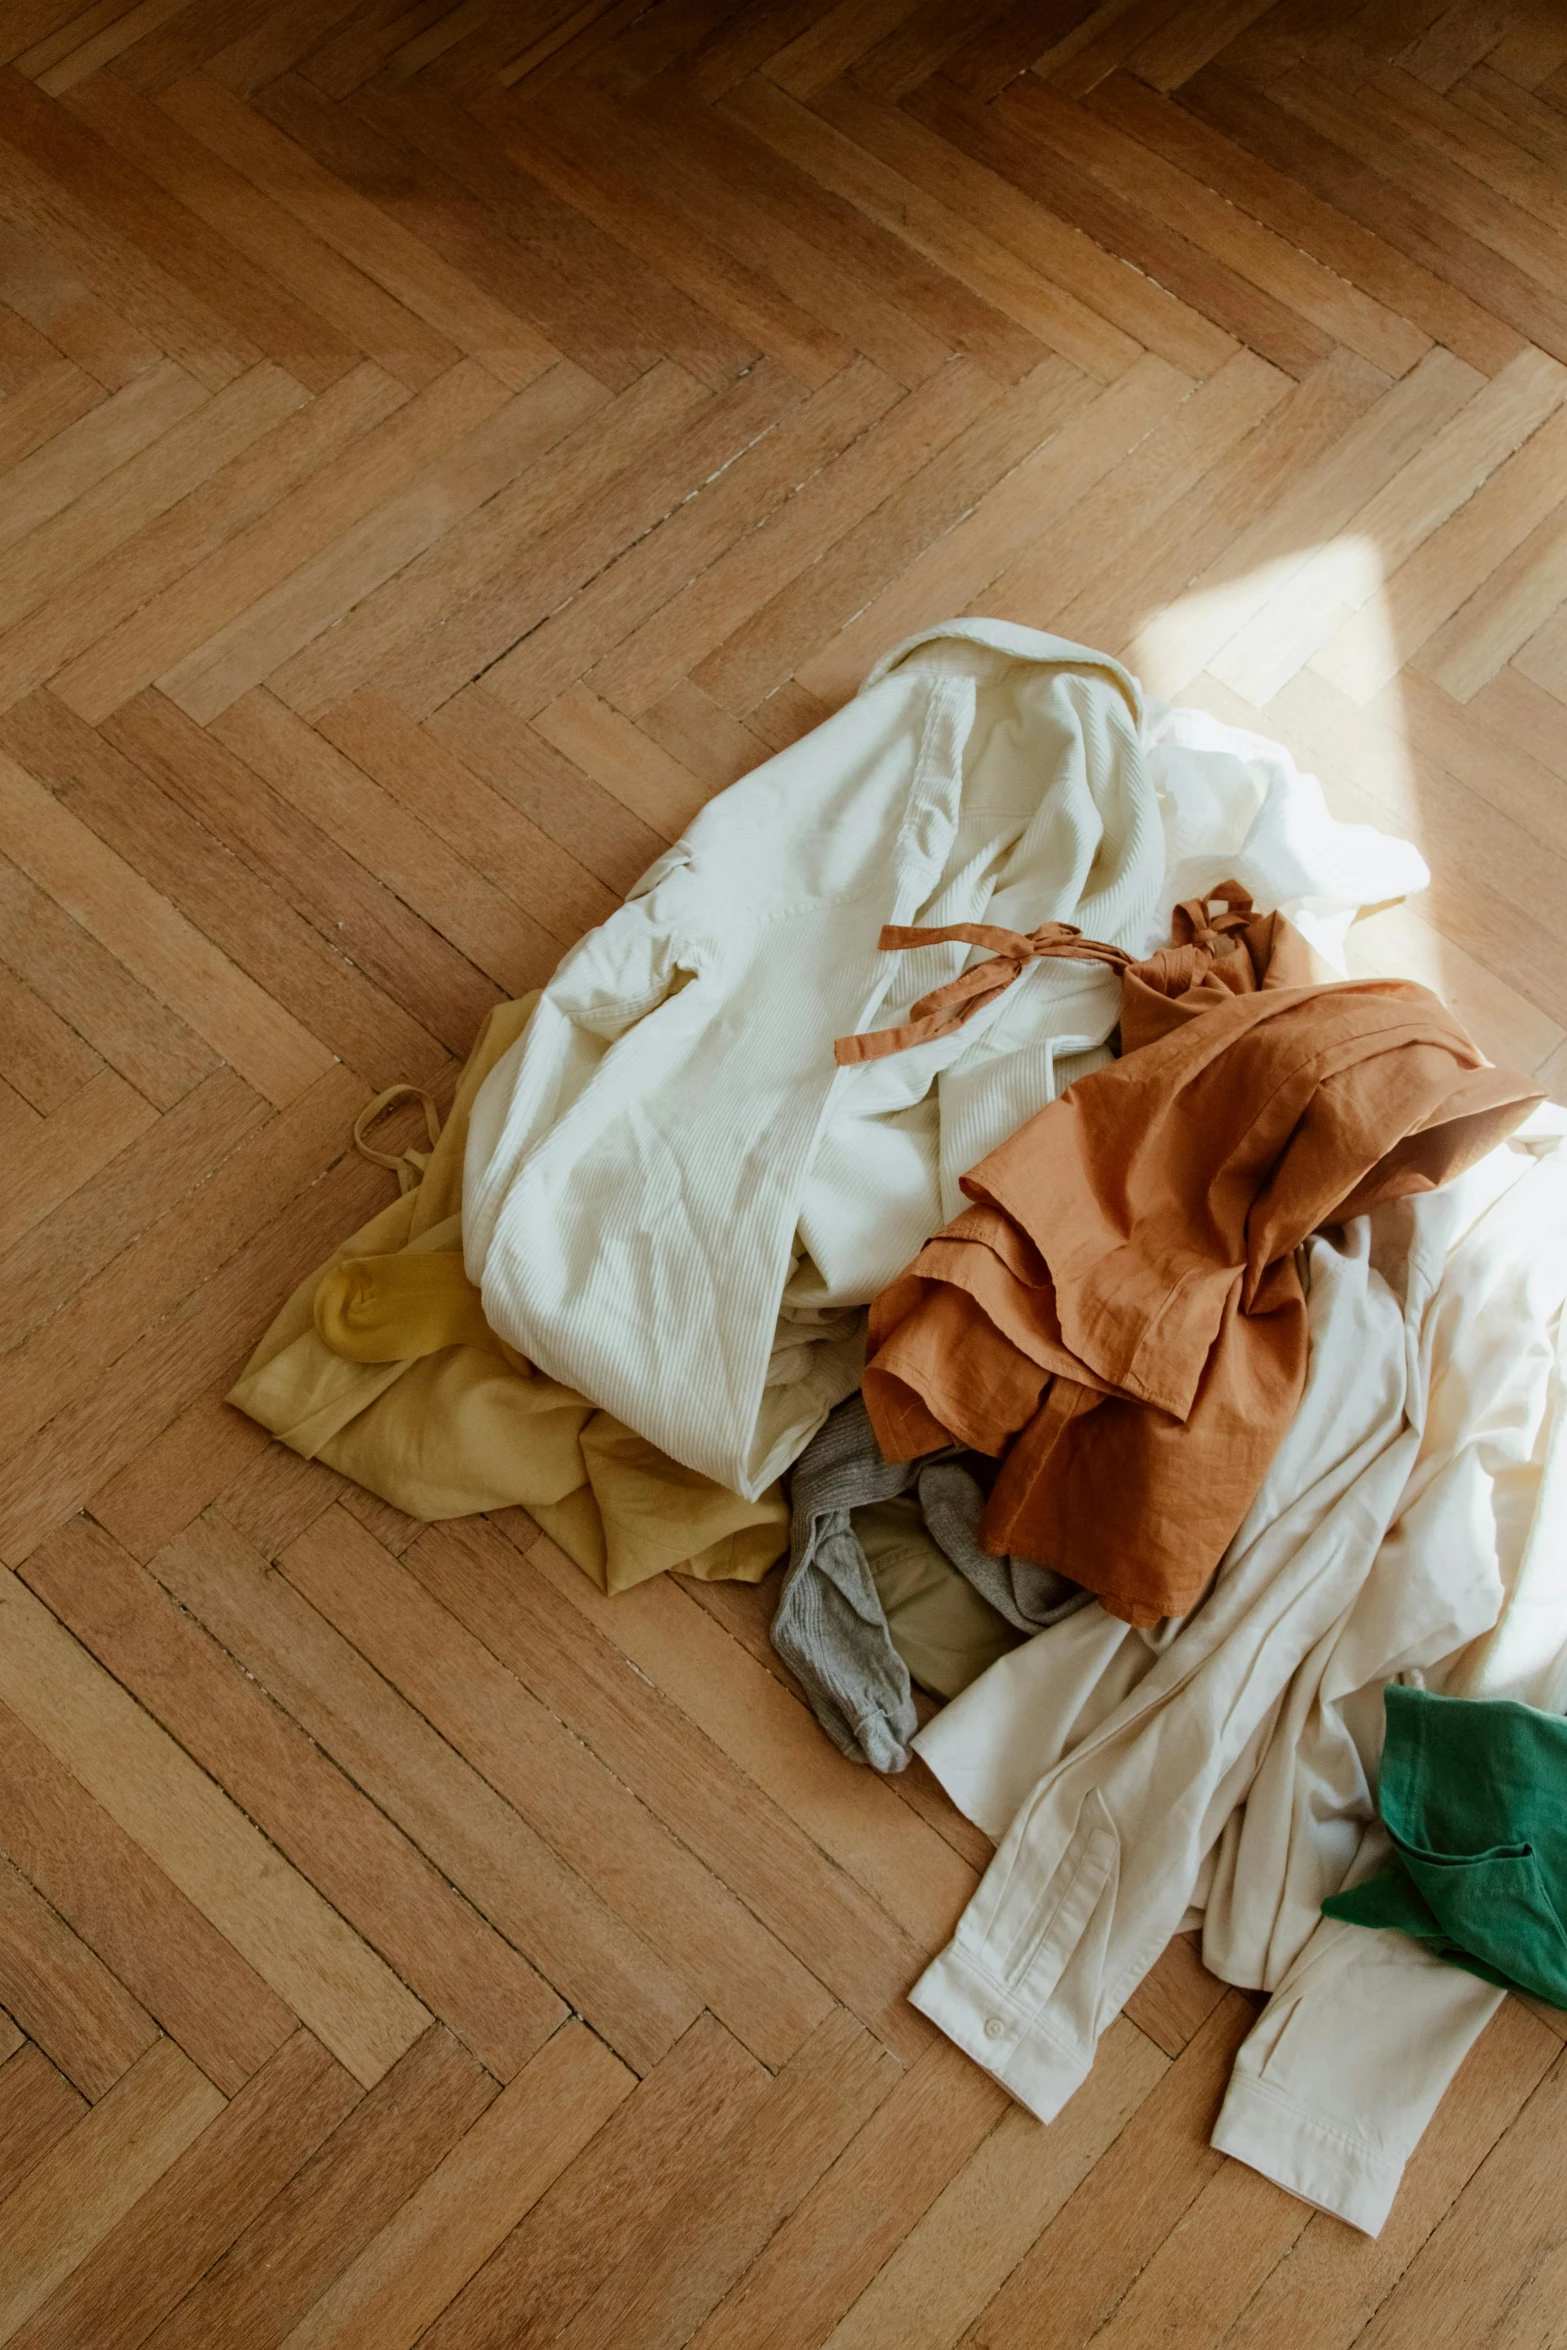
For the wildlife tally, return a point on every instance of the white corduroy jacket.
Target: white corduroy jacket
(674, 1200)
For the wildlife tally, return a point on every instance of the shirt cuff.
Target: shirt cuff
(1353, 2178)
(990, 2024)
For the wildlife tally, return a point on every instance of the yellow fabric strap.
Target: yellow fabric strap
(408, 1166)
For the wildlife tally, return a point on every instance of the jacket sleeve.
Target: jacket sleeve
(1093, 1877)
(1346, 2065)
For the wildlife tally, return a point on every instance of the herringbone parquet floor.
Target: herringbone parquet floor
(442, 445)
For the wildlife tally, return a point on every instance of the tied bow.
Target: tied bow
(1203, 932)
(946, 1008)
(1211, 921)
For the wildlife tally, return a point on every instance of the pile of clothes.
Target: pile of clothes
(970, 1122)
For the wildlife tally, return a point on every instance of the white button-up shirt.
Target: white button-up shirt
(1412, 1525)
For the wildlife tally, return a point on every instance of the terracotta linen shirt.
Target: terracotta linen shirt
(1120, 1314)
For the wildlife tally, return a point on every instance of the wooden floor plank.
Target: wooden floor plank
(639, 582)
(837, 243)
(158, 946)
(157, 1493)
(595, 300)
(165, 319)
(107, 1214)
(62, 1996)
(855, 1946)
(97, 338)
(1318, 508)
(176, 1813)
(74, 461)
(1191, 538)
(1421, 595)
(625, 1988)
(1522, 251)
(504, 345)
(334, 1835)
(621, 508)
(133, 782)
(1292, 625)
(1013, 139)
(340, 304)
(38, 2107)
(1447, 2294)
(420, 872)
(1057, 248)
(249, 315)
(98, 599)
(96, 995)
(548, 1775)
(158, 1944)
(1490, 626)
(604, 742)
(47, 405)
(232, 579)
(338, 2202)
(138, 2272)
(1284, 176)
(472, 2199)
(427, 779)
(70, 2200)
(316, 596)
(764, 651)
(1368, 753)
(265, 789)
(89, 1130)
(619, 196)
(183, 1241)
(612, 2203)
(835, 2240)
(194, 1350)
(961, 2251)
(1230, 239)
(118, 508)
(102, 46)
(753, 2179)
(278, 1495)
(1064, 561)
(901, 207)
(396, 621)
(1074, 2277)
(1034, 494)
(651, 660)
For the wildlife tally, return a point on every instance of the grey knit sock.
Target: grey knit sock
(829, 1626)
(1028, 1596)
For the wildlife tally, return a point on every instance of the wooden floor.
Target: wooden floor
(443, 445)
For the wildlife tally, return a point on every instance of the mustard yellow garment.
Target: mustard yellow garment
(383, 1366)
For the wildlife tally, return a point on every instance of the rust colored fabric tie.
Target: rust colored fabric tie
(946, 1008)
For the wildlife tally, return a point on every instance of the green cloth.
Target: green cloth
(1474, 1795)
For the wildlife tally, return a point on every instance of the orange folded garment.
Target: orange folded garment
(1120, 1314)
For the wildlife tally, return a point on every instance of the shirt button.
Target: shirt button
(995, 2029)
